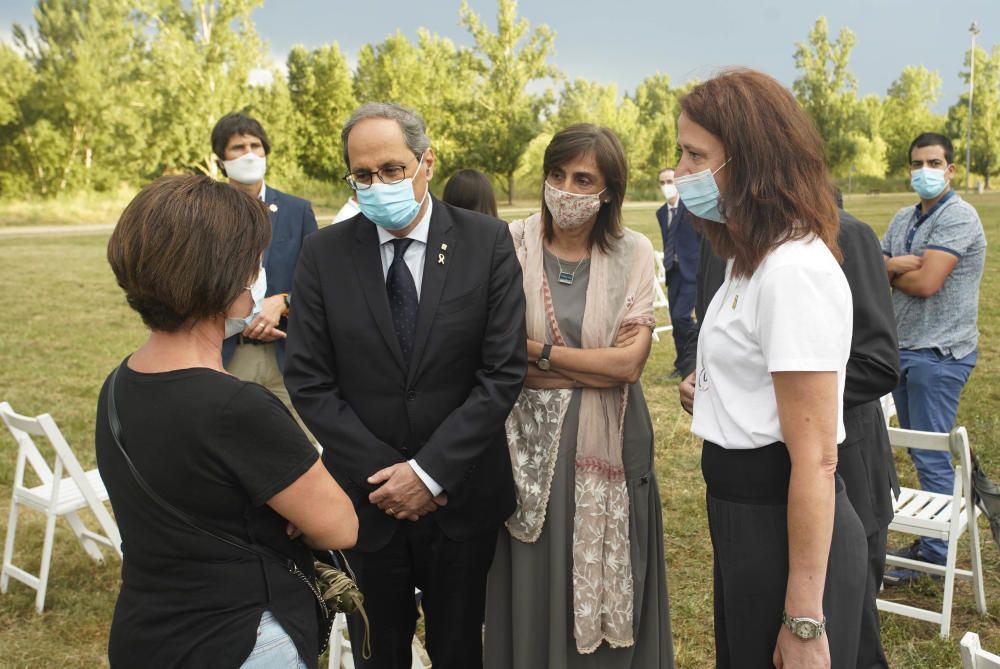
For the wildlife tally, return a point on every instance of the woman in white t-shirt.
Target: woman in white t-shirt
(789, 549)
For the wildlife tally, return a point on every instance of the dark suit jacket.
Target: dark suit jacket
(291, 221)
(865, 458)
(687, 239)
(347, 378)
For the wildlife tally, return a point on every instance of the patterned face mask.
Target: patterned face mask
(570, 210)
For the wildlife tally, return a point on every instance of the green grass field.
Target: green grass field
(66, 326)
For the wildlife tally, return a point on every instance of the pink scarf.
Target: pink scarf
(619, 292)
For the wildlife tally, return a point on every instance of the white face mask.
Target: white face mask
(234, 326)
(247, 169)
(669, 191)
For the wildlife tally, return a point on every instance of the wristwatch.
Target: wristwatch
(804, 628)
(543, 360)
(288, 303)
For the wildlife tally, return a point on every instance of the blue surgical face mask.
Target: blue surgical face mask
(234, 326)
(390, 206)
(928, 182)
(700, 194)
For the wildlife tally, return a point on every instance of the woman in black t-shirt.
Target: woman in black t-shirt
(187, 252)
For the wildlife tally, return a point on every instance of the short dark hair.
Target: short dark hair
(471, 189)
(932, 139)
(236, 123)
(588, 139)
(778, 187)
(185, 248)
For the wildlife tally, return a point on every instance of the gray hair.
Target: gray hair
(410, 122)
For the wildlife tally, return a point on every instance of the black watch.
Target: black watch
(543, 360)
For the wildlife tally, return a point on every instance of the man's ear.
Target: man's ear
(429, 161)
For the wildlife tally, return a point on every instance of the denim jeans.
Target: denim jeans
(274, 648)
(930, 384)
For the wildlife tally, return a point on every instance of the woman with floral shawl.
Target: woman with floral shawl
(579, 576)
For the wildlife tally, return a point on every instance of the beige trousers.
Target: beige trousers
(259, 363)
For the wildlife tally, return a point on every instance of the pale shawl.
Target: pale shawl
(620, 291)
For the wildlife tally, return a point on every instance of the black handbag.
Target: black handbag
(334, 588)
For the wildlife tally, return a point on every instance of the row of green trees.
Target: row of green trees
(100, 93)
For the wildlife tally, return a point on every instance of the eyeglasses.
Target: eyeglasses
(387, 174)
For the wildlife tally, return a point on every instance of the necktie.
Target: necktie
(670, 246)
(403, 301)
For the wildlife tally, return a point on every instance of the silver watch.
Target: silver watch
(804, 628)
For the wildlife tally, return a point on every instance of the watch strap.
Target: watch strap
(546, 352)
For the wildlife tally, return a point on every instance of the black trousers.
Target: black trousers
(870, 652)
(451, 576)
(748, 523)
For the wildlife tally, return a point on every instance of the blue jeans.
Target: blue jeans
(274, 648)
(930, 384)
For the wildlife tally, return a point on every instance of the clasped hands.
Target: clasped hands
(264, 326)
(401, 493)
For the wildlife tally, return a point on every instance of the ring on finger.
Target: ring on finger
(390, 511)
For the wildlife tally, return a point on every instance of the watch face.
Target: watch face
(805, 629)
(543, 364)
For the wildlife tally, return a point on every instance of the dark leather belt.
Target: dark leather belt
(253, 342)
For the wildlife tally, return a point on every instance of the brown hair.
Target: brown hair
(588, 139)
(185, 248)
(471, 189)
(777, 184)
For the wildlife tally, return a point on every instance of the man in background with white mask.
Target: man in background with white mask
(406, 353)
(681, 244)
(257, 354)
(934, 253)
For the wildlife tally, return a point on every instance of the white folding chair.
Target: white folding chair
(660, 297)
(888, 407)
(55, 496)
(939, 516)
(974, 657)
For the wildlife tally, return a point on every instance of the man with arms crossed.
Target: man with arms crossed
(934, 254)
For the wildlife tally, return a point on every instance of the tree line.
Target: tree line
(98, 94)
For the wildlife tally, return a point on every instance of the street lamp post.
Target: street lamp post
(973, 30)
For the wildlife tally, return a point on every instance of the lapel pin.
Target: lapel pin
(273, 208)
(444, 247)
(440, 259)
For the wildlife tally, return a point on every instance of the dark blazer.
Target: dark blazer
(347, 378)
(865, 458)
(292, 219)
(686, 238)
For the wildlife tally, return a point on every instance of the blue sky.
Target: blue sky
(622, 41)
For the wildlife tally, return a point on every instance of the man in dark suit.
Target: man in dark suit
(258, 353)
(681, 244)
(406, 352)
(864, 459)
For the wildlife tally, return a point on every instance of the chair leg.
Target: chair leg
(977, 565)
(43, 573)
(949, 584)
(8, 545)
(89, 545)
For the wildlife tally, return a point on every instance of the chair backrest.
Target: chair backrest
(974, 657)
(955, 442)
(23, 427)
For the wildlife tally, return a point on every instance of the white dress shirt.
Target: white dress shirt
(414, 260)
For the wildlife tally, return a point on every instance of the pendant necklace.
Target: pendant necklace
(566, 278)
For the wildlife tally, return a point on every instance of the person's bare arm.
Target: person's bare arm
(927, 279)
(807, 410)
(319, 509)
